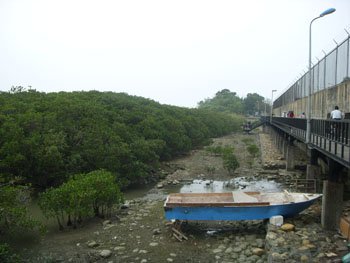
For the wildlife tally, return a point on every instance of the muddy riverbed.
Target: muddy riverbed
(139, 233)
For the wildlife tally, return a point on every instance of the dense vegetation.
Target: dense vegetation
(81, 196)
(46, 138)
(227, 101)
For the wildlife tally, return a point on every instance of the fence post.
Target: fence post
(336, 64)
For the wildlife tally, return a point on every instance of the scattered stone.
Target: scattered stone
(157, 231)
(106, 222)
(304, 258)
(92, 244)
(288, 227)
(153, 244)
(126, 205)
(105, 253)
(119, 248)
(258, 251)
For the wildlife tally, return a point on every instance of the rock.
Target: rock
(237, 249)
(175, 182)
(228, 250)
(153, 244)
(304, 258)
(106, 222)
(160, 185)
(118, 248)
(258, 251)
(92, 244)
(287, 227)
(105, 253)
(126, 205)
(156, 231)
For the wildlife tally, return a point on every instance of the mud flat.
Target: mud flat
(139, 233)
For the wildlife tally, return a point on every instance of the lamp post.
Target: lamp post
(272, 104)
(308, 112)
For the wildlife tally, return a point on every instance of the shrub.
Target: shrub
(13, 212)
(6, 255)
(253, 150)
(83, 195)
(230, 162)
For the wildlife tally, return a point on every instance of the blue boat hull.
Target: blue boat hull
(235, 212)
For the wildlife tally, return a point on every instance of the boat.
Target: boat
(237, 205)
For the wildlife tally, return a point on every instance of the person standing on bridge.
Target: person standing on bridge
(336, 115)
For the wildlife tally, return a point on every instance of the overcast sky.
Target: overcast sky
(174, 52)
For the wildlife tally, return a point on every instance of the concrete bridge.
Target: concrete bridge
(329, 149)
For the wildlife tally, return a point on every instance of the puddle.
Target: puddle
(239, 183)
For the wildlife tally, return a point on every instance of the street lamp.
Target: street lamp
(308, 112)
(272, 104)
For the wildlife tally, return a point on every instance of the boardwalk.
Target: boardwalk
(331, 138)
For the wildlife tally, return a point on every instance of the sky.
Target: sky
(174, 52)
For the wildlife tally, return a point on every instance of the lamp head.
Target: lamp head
(327, 12)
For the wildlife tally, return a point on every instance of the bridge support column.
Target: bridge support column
(264, 128)
(332, 200)
(332, 203)
(313, 170)
(284, 148)
(290, 164)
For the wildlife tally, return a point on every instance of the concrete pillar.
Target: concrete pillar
(290, 164)
(332, 203)
(284, 148)
(313, 171)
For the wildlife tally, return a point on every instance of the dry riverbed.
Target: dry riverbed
(139, 233)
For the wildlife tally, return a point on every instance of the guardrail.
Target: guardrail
(330, 137)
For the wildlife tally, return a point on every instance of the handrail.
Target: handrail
(331, 137)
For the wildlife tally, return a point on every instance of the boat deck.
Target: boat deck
(215, 199)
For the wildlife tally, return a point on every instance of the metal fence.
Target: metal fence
(331, 70)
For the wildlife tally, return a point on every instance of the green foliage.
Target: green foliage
(253, 103)
(253, 150)
(45, 138)
(224, 101)
(6, 254)
(247, 141)
(230, 161)
(13, 210)
(81, 196)
(219, 149)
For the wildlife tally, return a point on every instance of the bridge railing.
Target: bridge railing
(332, 137)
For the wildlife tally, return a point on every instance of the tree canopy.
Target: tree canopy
(228, 101)
(47, 137)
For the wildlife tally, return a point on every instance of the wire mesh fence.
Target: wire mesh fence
(333, 69)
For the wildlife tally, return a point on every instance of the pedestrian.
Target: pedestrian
(302, 115)
(336, 114)
(290, 114)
